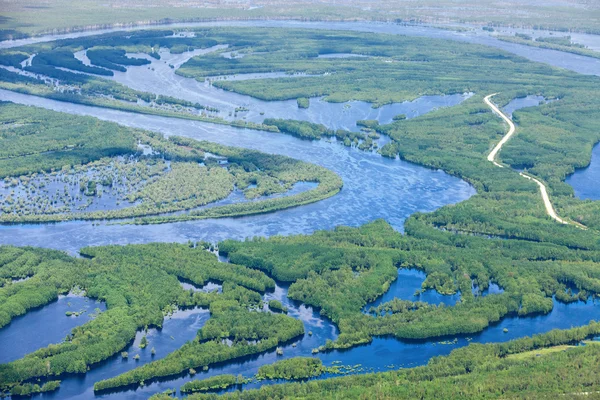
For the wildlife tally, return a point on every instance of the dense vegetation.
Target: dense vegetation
(502, 235)
(292, 369)
(342, 270)
(215, 382)
(42, 147)
(249, 332)
(140, 284)
(113, 59)
(474, 372)
(553, 43)
(309, 130)
(56, 73)
(35, 139)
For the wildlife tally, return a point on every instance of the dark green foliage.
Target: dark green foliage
(113, 59)
(474, 372)
(501, 235)
(249, 332)
(35, 140)
(309, 130)
(342, 270)
(276, 306)
(38, 141)
(41, 289)
(139, 285)
(212, 383)
(65, 59)
(13, 58)
(294, 368)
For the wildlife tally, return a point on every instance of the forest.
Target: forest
(140, 285)
(478, 371)
(502, 235)
(43, 147)
(553, 43)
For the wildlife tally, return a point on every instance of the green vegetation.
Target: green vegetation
(113, 59)
(29, 389)
(23, 17)
(35, 140)
(552, 43)
(292, 369)
(54, 67)
(501, 235)
(248, 332)
(104, 159)
(474, 372)
(104, 93)
(309, 130)
(540, 352)
(342, 270)
(140, 285)
(303, 102)
(276, 306)
(212, 383)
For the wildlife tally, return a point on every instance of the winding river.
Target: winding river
(374, 187)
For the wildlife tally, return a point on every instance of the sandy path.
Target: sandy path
(494, 153)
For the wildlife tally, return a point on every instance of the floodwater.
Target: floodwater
(374, 187)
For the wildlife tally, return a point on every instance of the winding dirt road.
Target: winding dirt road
(494, 153)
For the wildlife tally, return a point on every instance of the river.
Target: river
(374, 187)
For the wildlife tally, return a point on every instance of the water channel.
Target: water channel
(374, 187)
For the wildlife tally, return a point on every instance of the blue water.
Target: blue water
(522, 102)
(586, 181)
(374, 187)
(404, 288)
(45, 325)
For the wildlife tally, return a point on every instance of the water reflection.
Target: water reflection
(374, 188)
(45, 325)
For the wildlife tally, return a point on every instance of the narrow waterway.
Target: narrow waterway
(374, 187)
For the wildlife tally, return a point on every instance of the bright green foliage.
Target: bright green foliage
(342, 270)
(501, 235)
(51, 143)
(276, 306)
(231, 332)
(139, 283)
(35, 139)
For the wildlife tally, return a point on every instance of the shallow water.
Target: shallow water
(404, 288)
(159, 78)
(374, 187)
(522, 102)
(177, 329)
(586, 181)
(44, 325)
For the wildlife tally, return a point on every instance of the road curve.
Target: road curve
(494, 153)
